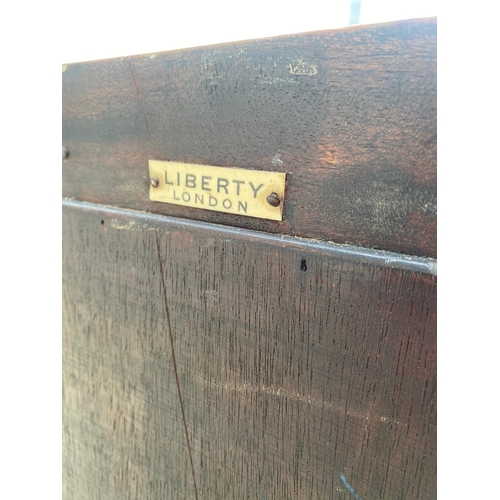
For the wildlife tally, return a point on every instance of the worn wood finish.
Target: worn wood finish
(304, 369)
(349, 114)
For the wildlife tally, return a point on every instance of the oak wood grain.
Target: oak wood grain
(349, 115)
(305, 370)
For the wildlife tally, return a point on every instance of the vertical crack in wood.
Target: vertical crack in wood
(169, 326)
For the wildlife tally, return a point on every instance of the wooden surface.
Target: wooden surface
(350, 115)
(302, 370)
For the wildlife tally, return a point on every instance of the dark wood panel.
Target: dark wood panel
(305, 370)
(349, 114)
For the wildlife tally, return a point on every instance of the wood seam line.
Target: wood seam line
(175, 363)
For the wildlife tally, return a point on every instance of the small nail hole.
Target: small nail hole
(102, 222)
(303, 265)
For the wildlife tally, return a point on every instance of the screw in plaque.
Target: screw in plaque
(273, 200)
(65, 153)
(155, 182)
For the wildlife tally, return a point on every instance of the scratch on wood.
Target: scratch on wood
(303, 68)
(131, 225)
(169, 325)
(271, 390)
(281, 392)
(276, 160)
(391, 421)
(140, 96)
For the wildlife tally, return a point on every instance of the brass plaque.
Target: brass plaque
(253, 193)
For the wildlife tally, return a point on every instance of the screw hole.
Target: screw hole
(102, 222)
(303, 265)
